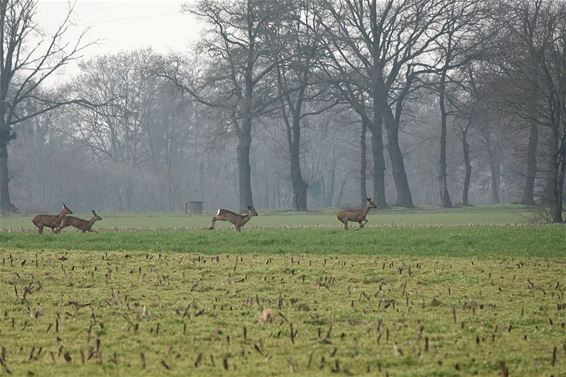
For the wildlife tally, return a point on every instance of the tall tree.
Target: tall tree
(380, 43)
(301, 91)
(466, 32)
(239, 44)
(533, 69)
(27, 59)
(115, 133)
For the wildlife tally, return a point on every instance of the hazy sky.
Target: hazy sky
(122, 25)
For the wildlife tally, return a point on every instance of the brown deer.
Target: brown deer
(235, 218)
(50, 221)
(357, 215)
(80, 224)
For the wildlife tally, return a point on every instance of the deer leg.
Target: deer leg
(40, 229)
(343, 222)
(213, 223)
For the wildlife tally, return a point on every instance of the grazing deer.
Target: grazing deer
(235, 218)
(50, 221)
(80, 224)
(357, 215)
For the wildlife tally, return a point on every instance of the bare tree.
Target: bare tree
(531, 68)
(115, 133)
(302, 92)
(466, 32)
(27, 59)
(379, 45)
(239, 45)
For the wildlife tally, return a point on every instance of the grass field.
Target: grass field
(457, 216)
(423, 293)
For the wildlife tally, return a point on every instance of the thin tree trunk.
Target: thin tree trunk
(404, 197)
(363, 163)
(495, 179)
(442, 182)
(468, 168)
(378, 165)
(558, 172)
(5, 202)
(5, 136)
(495, 182)
(244, 168)
(529, 188)
(299, 184)
(559, 203)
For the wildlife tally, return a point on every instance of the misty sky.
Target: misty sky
(122, 25)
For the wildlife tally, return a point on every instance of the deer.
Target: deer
(357, 215)
(50, 221)
(235, 218)
(80, 224)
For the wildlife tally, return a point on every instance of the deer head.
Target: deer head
(251, 211)
(370, 203)
(66, 210)
(96, 215)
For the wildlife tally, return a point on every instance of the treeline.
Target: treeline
(302, 104)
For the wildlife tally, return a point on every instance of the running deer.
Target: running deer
(80, 224)
(50, 221)
(235, 218)
(357, 215)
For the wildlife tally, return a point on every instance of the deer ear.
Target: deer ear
(368, 198)
(94, 213)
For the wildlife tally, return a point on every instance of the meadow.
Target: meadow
(415, 293)
(424, 216)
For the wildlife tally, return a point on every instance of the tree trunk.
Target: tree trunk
(6, 135)
(468, 169)
(363, 163)
(529, 188)
(495, 179)
(244, 168)
(299, 184)
(404, 197)
(445, 201)
(378, 163)
(557, 202)
(558, 152)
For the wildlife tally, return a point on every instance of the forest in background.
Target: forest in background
(295, 104)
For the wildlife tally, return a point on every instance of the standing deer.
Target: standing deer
(357, 215)
(235, 218)
(80, 224)
(50, 221)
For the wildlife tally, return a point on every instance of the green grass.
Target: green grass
(457, 216)
(81, 313)
(457, 241)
